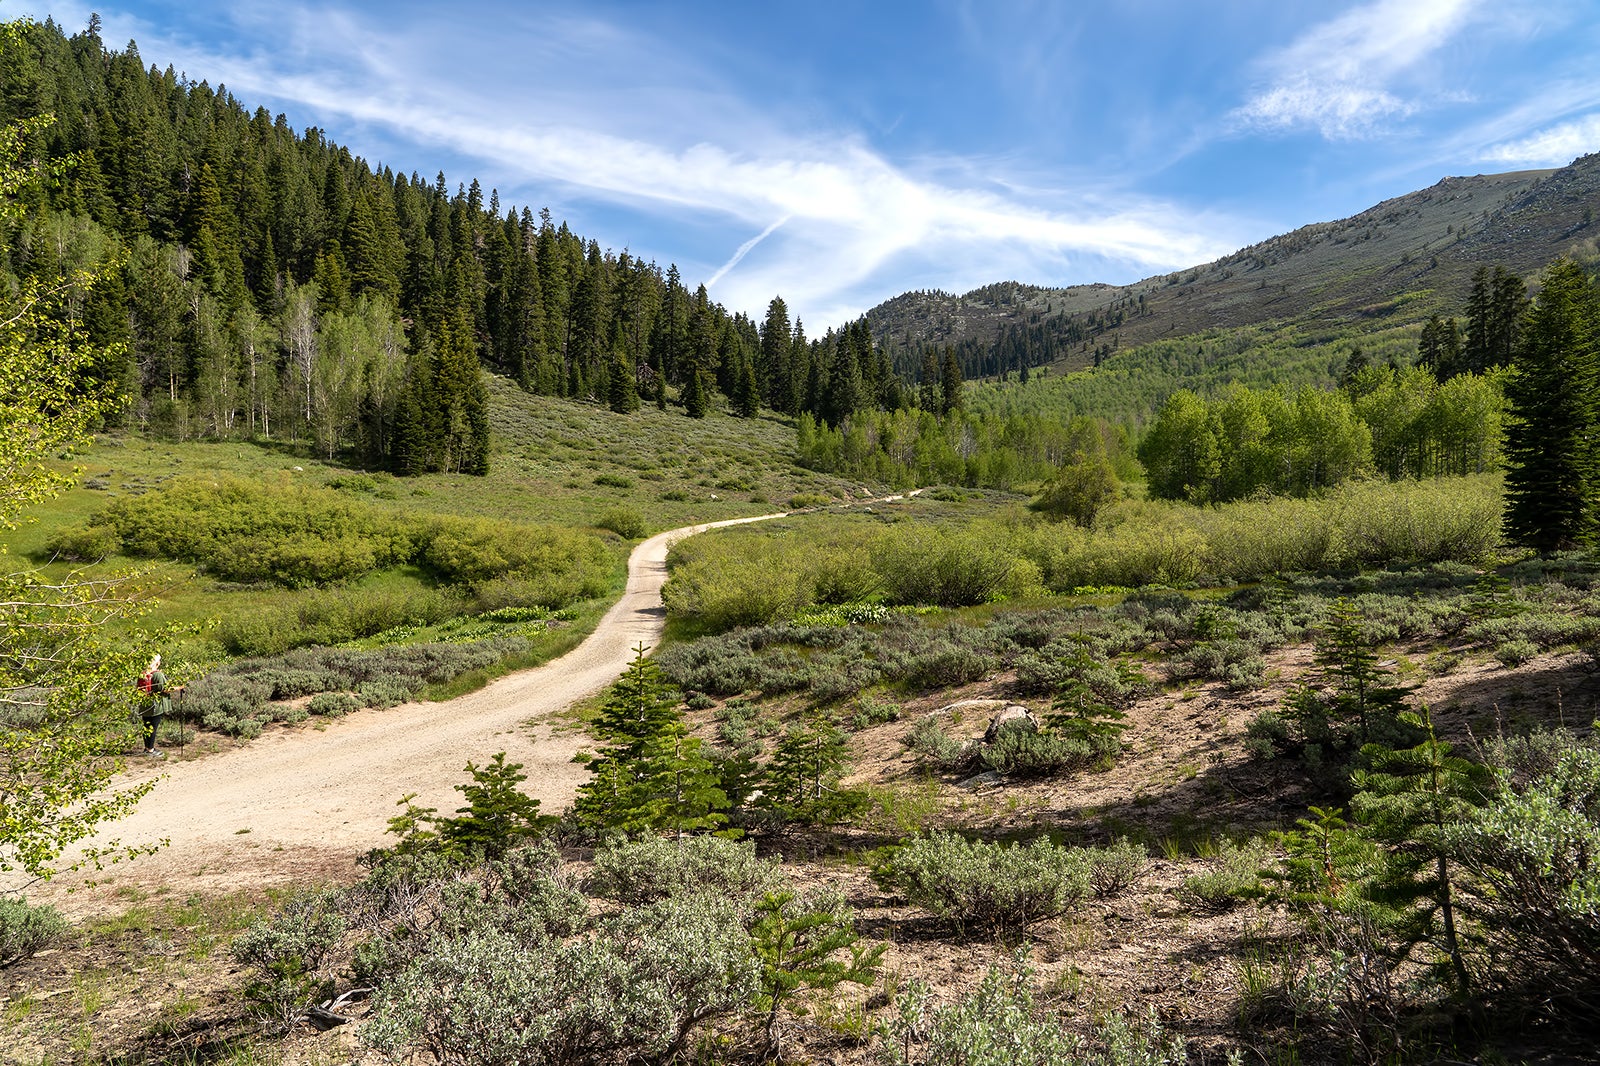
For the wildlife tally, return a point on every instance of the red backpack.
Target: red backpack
(146, 683)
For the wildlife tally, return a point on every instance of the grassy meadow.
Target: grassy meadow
(555, 463)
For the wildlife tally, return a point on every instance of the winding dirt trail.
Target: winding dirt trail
(302, 805)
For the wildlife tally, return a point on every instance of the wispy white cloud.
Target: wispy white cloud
(743, 250)
(1554, 146)
(667, 141)
(1340, 76)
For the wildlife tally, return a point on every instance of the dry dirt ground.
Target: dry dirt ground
(164, 990)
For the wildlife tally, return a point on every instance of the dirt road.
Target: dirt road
(301, 805)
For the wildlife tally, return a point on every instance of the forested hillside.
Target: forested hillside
(263, 281)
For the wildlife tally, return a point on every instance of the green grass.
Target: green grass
(553, 462)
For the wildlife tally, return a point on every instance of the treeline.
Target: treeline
(253, 280)
(1398, 423)
(1019, 347)
(917, 447)
(1495, 309)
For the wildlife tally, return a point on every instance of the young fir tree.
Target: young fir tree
(1407, 802)
(696, 390)
(1364, 697)
(1080, 712)
(1325, 861)
(639, 710)
(675, 786)
(746, 395)
(801, 943)
(802, 780)
(622, 387)
(949, 383)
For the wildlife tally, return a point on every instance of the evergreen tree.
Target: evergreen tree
(1439, 348)
(638, 708)
(746, 395)
(1551, 459)
(928, 383)
(622, 385)
(802, 780)
(675, 785)
(949, 384)
(777, 341)
(1363, 693)
(1494, 317)
(1408, 801)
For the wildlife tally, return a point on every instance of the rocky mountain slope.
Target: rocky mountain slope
(1409, 256)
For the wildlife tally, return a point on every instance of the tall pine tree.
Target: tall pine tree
(1549, 448)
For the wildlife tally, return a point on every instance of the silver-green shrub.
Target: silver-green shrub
(637, 989)
(1233, 874)
(1001, 1025)
(993, 889)
(655, 868)
(1532, 862)
(333, 704)
(1116, 868)
(26, 929)
(288, 957)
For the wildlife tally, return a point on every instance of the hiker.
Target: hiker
(158, 704)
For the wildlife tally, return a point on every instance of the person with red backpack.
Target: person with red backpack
(157, 704)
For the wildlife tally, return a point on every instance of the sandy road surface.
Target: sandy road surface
(303, 804)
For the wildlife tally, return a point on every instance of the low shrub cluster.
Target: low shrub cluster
(504, 961)
(240, 698)
(830, 662)
(26, 929)
(656, 868)
(334, 616)
(987, 889)
(1021, 751)
(1233, 875)
(755, 577)
(1002, 1023)
(287, 533)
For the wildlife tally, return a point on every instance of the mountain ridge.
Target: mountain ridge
(1412, 254)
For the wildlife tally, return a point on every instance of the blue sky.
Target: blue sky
(839, 153)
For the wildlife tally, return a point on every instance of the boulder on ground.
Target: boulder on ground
(1013, 716)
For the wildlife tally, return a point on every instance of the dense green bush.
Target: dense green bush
(83, 544)
(932, 565)
(992, 889)
(654, 868)
(625, 522)
(335, 616)
(298, 535)
(563, 566)
(26, 929)
(1021, 751)
(258, 530)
